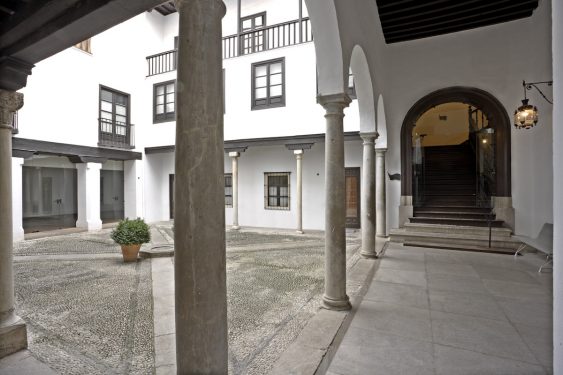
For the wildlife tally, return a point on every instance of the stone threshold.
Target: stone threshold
(313, 350)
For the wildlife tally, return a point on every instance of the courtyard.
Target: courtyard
(89, 313)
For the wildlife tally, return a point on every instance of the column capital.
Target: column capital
(380, 151)
(234, 154)
(10, 102)
(184, 4)
(334, 103)
(369, 137)
(299, 146)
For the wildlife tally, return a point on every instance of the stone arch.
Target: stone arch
(493, 109)
(328, 47)
(364, 90)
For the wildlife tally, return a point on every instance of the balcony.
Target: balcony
(15, 123)
(116, 134)
(265, 39)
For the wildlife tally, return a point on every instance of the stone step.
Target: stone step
(498, 232)
(456, 221)
(452, 214)
(447, 239)
(453, 209)
(482, 249)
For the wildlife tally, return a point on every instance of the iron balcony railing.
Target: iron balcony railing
(15, 129)
(116, 134)
(265, 39)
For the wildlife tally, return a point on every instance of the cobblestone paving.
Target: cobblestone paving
(95, 316)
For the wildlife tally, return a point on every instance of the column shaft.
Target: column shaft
(368, 196)
(17, 198)
(13, 334)
(234, 156)
(335, 297)
(199, 257)
(381, 195)
(299, 202)
(88, 196)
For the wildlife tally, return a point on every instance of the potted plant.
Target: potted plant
(131, 234)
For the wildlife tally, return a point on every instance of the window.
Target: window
(253, 38)
(164, 108)
(268, 84)
(276, 191)
(114, 117)
(85, 46)
(229, 189)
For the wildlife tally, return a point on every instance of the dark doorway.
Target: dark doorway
(352, 197)
(112, 205)
(49, 198)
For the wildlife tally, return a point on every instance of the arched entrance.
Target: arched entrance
(470, 166)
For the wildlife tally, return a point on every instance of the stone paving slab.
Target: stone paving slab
(485, 314)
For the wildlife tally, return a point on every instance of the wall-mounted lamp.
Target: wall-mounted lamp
(526, 116)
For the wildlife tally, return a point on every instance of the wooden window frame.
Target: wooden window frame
(268, 98)
(228, 175)
(166, 116)
(267, 195)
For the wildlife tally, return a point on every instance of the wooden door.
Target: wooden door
(352, 197)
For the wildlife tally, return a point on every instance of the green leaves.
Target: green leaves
(130, 232)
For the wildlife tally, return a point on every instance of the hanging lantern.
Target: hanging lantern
(526, 116)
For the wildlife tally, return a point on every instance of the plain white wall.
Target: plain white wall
(489, 58)
(252, 165)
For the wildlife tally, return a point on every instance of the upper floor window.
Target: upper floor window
(164, 108)
(276, 191)
(85, 45)
(253, 39)
(268, 84)
(114, 118)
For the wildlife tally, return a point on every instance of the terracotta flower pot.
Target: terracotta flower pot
(130, 252)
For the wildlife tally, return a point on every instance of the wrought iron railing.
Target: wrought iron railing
(265, 39)
(116, 134)
(15, 129)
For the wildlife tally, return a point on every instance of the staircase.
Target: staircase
(448, 215)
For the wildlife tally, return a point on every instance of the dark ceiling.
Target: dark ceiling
(166, 8)
(32, 30)
(403, 20)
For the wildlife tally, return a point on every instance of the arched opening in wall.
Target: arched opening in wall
(360, 88)
(455, 148)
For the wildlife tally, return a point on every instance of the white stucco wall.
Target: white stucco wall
(489, 58)
(252, 165)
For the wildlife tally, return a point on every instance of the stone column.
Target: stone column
(199, 257)
(368, 196)
(299, 204)
(380, 191)
(234, 158)
(88, 196)
(335, 297)
(17, 198)
(13, 333)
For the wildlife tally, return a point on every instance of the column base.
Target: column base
(19, 235)
(89, 225)
(369, 254)
(299, 232)
(235, 227)
(336, 305)
(13, 336)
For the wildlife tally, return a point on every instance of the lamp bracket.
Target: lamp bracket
(529, 85)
